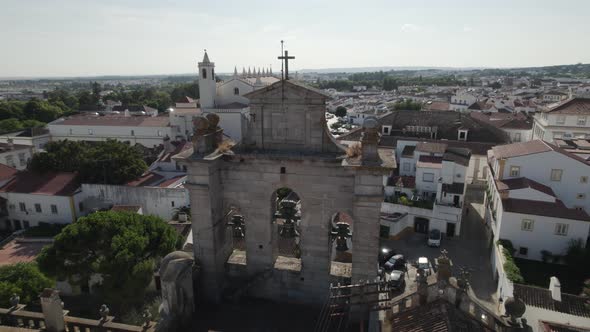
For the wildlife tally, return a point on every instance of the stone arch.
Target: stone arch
(286, 210)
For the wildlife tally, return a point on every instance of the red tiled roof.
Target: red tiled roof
(6, 172)
(520, 149)
(580, 106)
(431, 147)
(171, 181)
(539, 208)
(504, 120)
(439, 106)
(59, 184)
(541, 298)
(148, 179)
(520, 183)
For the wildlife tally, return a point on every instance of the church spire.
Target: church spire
(249, 73)
(235, 72)
(244, 72)
(206, 58)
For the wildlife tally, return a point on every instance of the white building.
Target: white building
(148, 131)
(226, 99)
(518, 126)
(537, 197)
(428, 191)
(33, 198)
(554, 96)
(37, 138)
(15, 155)
(569, 119)
(461, 101)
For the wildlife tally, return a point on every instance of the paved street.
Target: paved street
(469, 250)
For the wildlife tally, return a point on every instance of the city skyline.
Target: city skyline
(69, 39)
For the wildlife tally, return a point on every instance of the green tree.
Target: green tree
(9, 125)
(32, 124)
(121, 247)
(23, 279)
(11, 109)
(340, 111)
(389, 84)
(42, 110)
(109, 162)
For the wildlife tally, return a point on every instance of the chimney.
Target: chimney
(555, 289)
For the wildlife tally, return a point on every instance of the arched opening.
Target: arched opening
(204, 73)
(341, 250)
(236, 91)
(286, 216)
(236, 223)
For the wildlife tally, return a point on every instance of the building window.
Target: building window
(428, 177)
(386, 130)
(204, 73)
(71, 131)
(159, 133)
(406, 167)
(81, 206)
(517, 137)
(172, 203)
(236, 91)
(26, 224)
(90, 132)
(22, 207)
(581, 120)
(10, 161)
(583, 179)
(527, 225)
(283, 170)
(53, 208)
(38, 208)
(560, 119)
(556, 174)
(514, 171)
(21, 159)
(581, 196)
(133, 133)
(523, 251)
(561, 229)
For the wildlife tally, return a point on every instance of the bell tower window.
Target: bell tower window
(204, 73)
(236, 91)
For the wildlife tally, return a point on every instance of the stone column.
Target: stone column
(178, 305)
(53, 312)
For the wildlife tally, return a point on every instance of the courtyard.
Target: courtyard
(469, 250)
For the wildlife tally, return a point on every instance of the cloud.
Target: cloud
(467, 28)
(409, 27)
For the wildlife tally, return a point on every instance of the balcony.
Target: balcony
(414, 201)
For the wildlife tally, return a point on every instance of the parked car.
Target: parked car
(434, 238)
(396, 279)
(424, 265)
(396, 262)
(384, 255)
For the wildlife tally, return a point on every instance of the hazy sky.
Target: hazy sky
(83, 37)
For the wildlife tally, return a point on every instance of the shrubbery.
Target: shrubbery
(510, 267)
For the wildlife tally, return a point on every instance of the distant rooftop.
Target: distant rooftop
(52, 183)
(114, 120)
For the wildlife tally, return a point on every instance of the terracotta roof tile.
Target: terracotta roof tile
(580, 106)
(520, 149)
(431, 147)
(6, 172)
(130, 121)
(59, 184)
(541, 298)
(539, 208)
(520, 183)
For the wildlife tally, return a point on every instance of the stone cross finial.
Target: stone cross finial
(370, 140)
(53, 312)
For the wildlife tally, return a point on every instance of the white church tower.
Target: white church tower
(207, 84)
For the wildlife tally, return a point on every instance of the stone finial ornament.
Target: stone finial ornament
(104, 312)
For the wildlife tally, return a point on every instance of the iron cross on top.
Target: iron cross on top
(286, 57)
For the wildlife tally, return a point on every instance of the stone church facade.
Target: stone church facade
(287, 144)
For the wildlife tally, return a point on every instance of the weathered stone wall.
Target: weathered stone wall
(153, 200)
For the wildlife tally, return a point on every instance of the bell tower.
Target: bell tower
(207, 84)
